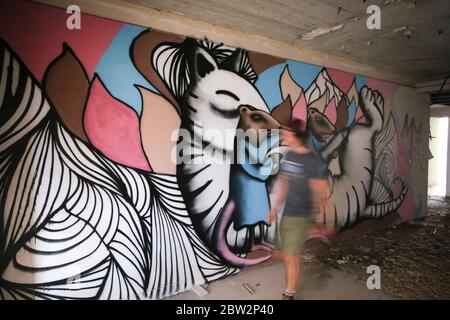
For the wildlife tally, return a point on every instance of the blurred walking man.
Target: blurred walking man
(302, 186)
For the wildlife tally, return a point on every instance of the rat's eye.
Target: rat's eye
(256, 117)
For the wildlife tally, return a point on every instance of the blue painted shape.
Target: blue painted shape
(351, 112)
(315, 144)
(251, 199)
(118, 72)
(360, 81)
(248, 183)
(303, 73)
(417, 206)
(268, 83)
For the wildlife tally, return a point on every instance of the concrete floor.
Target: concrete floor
(413, 257)
(267, 282)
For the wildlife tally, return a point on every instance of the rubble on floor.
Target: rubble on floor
(414, 257)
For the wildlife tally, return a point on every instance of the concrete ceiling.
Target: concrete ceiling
(414, 39)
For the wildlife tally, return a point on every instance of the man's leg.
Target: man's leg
(292, 268)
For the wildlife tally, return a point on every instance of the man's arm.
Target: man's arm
(320, 190)
(281, 187)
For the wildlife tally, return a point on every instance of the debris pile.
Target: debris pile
(414, 257)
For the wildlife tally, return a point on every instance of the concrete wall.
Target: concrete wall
(93, 203)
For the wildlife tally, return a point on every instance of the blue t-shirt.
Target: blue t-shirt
(298, 168)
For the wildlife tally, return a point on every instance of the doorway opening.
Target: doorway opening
(437, 166)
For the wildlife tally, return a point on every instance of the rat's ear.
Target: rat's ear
(239, 62)
(233, 62)
(201, 64)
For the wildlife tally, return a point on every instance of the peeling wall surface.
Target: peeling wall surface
(92, 204)
(412, 33)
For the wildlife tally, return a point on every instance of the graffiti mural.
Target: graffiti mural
(92, 201)
(360, 150)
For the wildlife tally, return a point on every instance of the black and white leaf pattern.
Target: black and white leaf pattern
(385, 163)
(76, 225)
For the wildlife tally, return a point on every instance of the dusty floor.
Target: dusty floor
(414, 257)
(267, 283)
(414, 260)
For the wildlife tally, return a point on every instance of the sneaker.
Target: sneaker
(318, 236)
(286, 297)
